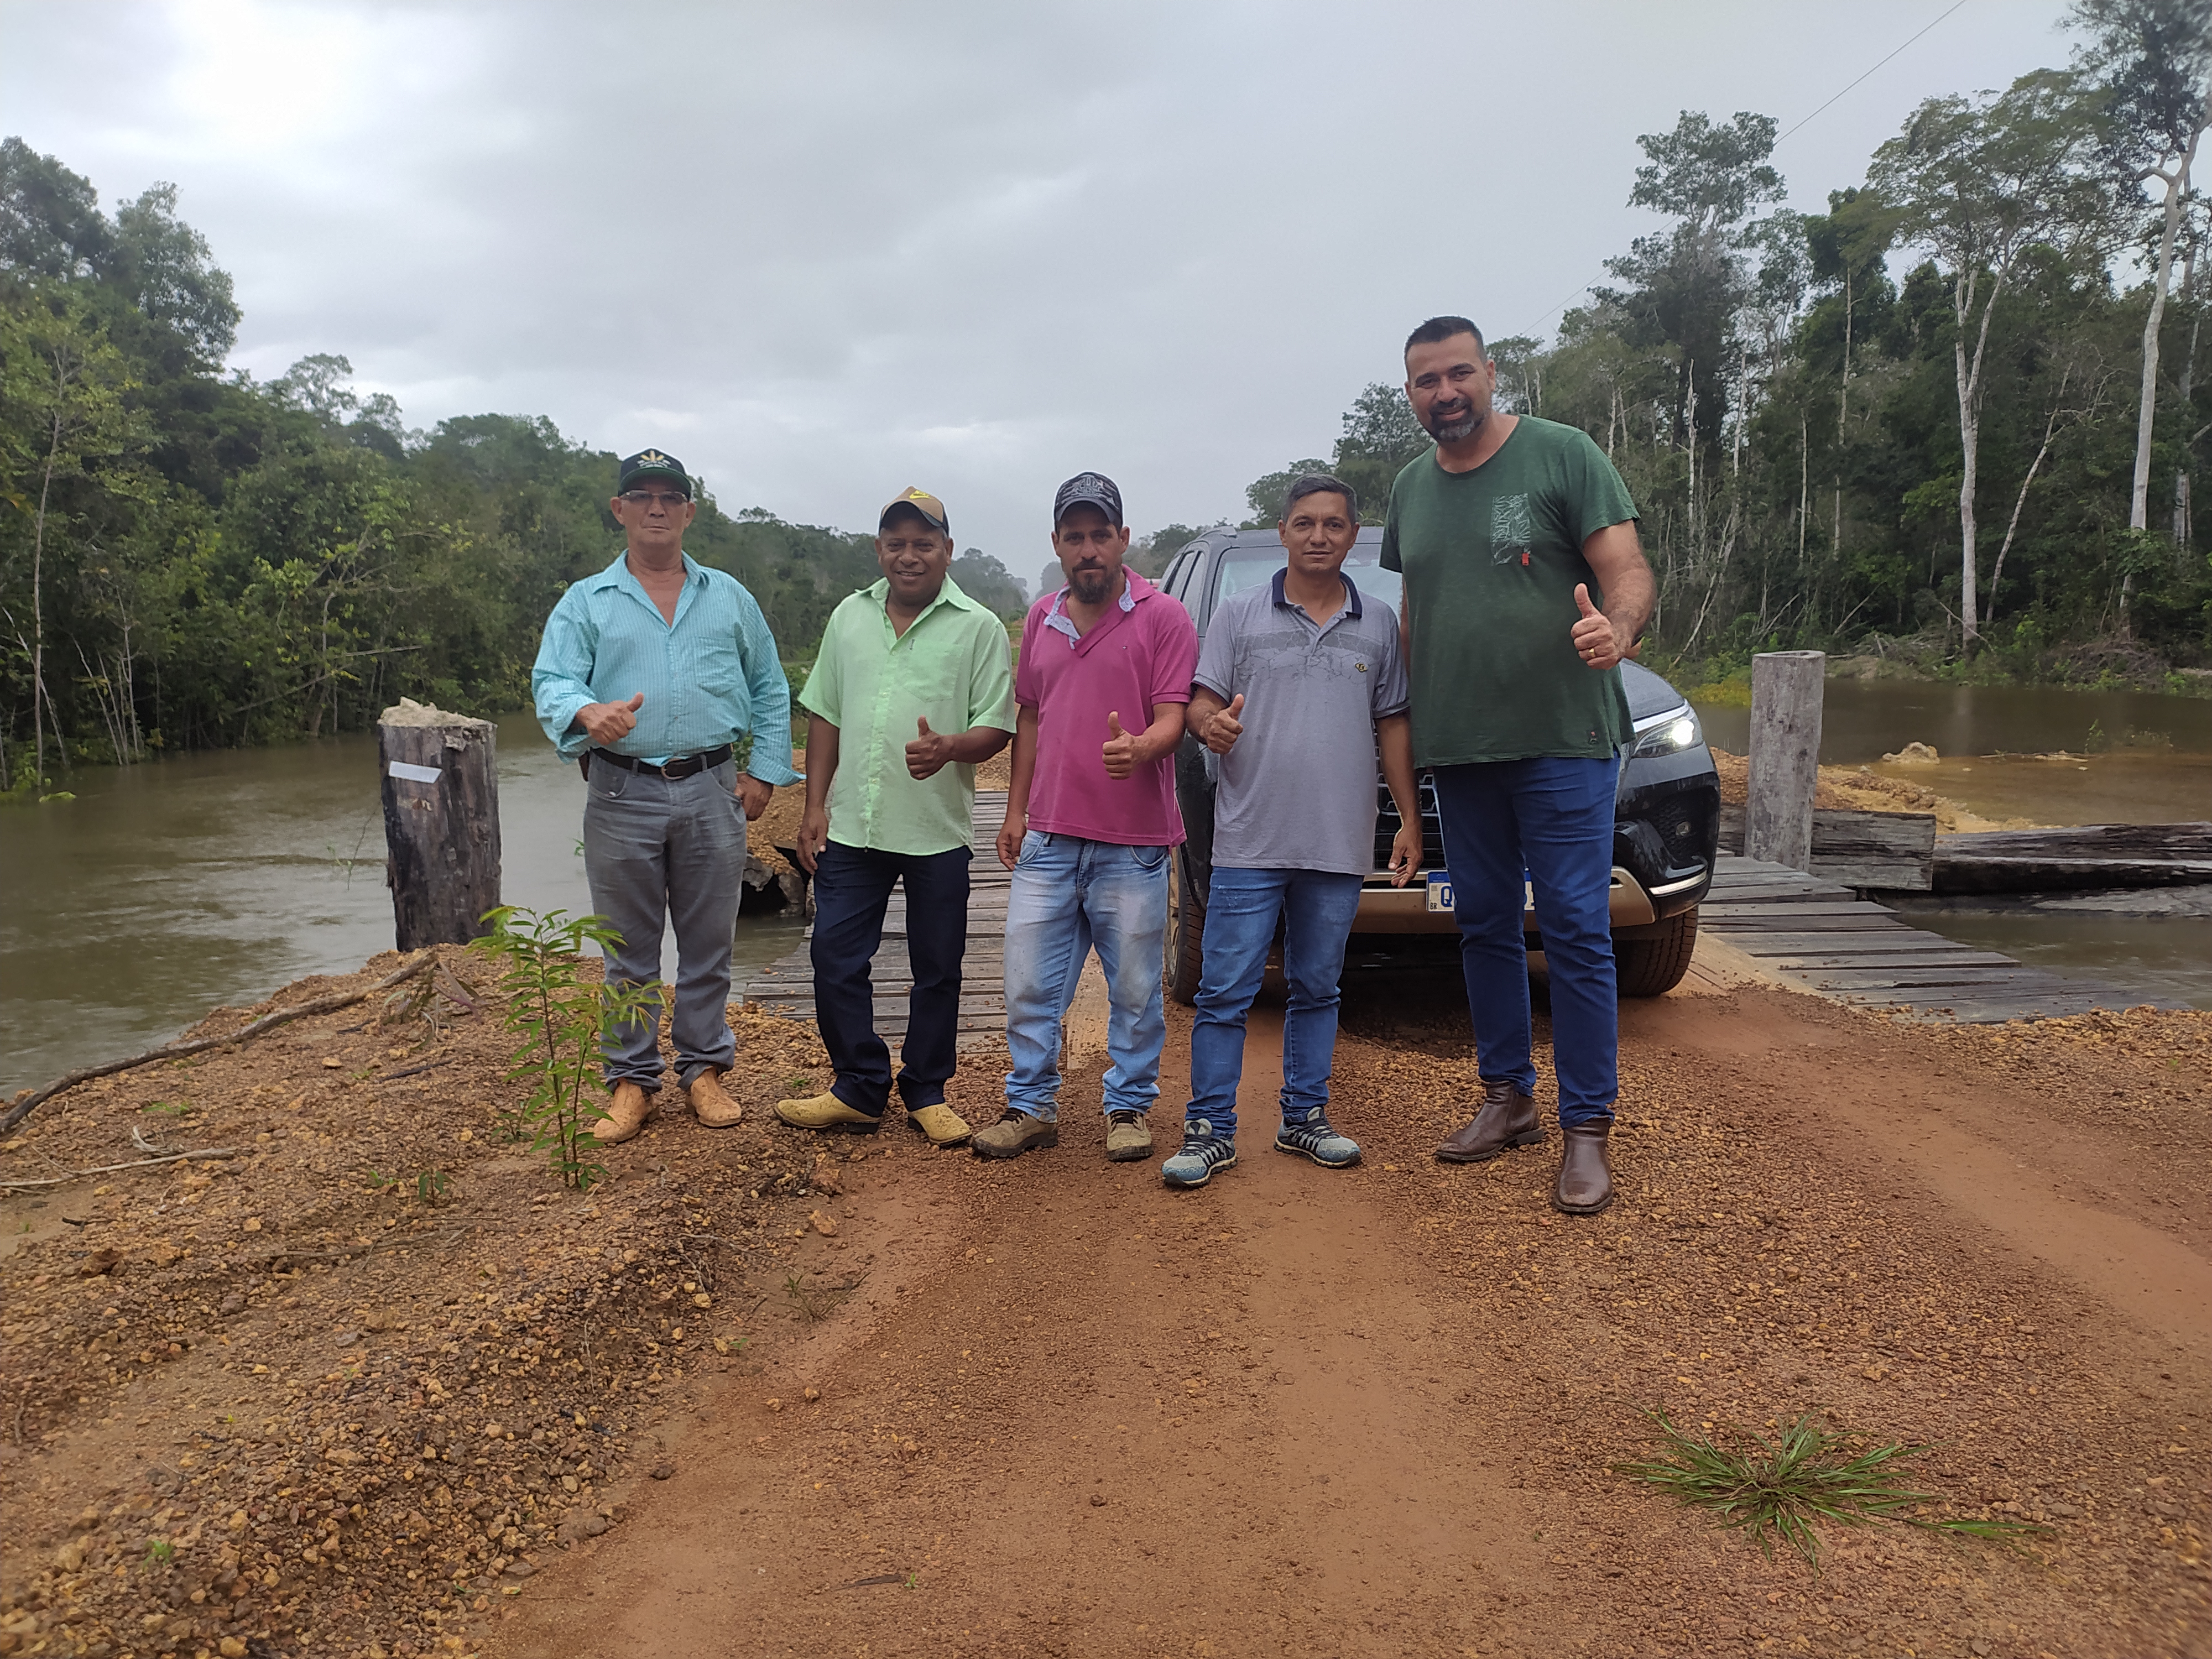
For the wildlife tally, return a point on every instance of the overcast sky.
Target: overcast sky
(822, 252)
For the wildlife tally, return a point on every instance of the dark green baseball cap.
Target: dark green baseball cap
(652, 464)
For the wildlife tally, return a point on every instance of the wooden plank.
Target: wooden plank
(1809, 964)
(1894, 851)
(2084, 856)
(1786, 690)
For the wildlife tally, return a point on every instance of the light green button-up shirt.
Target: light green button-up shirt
(951, 667)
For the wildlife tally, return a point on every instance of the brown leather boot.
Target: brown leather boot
(1585, 1182)
(629, 1110)
(1506, 1118)
(711, 1103)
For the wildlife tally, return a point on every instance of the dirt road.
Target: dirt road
(1371, 1413)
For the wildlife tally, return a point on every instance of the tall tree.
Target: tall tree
(1980, 184)
(2154, 57)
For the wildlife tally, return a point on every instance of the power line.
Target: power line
(1779, 142)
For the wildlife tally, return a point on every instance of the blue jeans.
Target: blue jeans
(1317, 907)
(852, 891)
(655, 849)
(1552, 818)
(1069, 895)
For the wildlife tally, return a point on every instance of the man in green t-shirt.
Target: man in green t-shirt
(912, 689)
(1504, 531)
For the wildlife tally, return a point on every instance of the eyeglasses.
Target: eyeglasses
(668, 498)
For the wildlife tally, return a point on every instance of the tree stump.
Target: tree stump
(1785, 756)
(440, 780)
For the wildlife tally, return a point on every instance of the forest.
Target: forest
(1952, 423)
(189, 559)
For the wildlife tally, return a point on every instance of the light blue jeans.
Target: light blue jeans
(1317, 908)
(1069, 895)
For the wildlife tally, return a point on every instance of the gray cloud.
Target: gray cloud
(825, 252)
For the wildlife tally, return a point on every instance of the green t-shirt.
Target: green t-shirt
(1491, 559)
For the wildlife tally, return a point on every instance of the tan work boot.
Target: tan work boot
(710, 1102)
(826, 1112)
(1128, 1137)
(942, 1125)
(630, 1108)
(1012, 1135)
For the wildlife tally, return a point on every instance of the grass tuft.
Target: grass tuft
(1777, 1489)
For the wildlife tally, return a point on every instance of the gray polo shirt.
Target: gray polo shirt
(1298, 791)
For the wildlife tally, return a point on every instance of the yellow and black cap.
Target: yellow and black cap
(649, 464)
(914, 499)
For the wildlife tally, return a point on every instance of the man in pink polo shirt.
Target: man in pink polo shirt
(1104, 675)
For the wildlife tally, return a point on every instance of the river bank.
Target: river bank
(278, 1403)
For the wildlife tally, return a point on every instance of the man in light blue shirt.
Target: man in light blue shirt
(649, 676)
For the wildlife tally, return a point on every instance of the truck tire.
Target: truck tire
(1652, 967)
(1185, 939)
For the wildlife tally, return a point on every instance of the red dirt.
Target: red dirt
(1371, 1413)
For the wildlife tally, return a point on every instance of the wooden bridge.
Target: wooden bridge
(1812, 933)
(787, 986)
(1800, 930)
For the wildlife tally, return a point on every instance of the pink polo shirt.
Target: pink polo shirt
(1144, 651)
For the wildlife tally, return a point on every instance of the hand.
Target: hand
(813, 836)
(1224, 728)
(1011, 835)
(1599, 640)
(929, 754)
(608, 723)
(754, 795)
(1122, 751)
(1405, 853)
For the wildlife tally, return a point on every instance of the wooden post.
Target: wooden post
(441, 777)
(1785, 753)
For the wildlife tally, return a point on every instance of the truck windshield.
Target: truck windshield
(1242, 569)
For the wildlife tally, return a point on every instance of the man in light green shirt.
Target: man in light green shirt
(912, 689)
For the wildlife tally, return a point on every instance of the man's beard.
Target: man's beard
(1091, 585)
(1456, 428)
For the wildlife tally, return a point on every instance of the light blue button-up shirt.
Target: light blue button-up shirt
(709, 678)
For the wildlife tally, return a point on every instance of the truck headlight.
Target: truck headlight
(1667, 734)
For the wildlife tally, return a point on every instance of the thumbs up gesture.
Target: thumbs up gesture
(1224, 728)
(608, 723)
(1123, 750)
(929, 754)
(1597, 642)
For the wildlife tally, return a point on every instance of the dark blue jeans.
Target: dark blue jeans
(852, 890)
(1317, 908)
(1552, 817)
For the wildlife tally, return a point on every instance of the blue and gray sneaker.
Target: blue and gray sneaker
(1313, 1138)
(1203, 1152)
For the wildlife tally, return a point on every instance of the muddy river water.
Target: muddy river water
(164, 889)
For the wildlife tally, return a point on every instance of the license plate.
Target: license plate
(1440, 893)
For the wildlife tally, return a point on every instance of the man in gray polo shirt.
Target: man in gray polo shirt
(1299, 685)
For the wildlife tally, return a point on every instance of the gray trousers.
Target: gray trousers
(656, 850)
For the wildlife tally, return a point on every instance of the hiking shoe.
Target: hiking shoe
(711, 1103)
(1203, 1152)
(1012, 1135)
(628, 1110)
(941, 1125)
(1128, 1137)
(1315, 1139)
(825, 1111)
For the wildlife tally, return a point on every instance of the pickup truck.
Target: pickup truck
(1666, 816)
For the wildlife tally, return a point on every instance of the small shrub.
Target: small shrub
(563, 1021)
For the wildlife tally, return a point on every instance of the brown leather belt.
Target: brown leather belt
(684, 766)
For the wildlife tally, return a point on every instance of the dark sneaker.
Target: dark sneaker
(1203, 1152)
(1128, 1137)
(1315, 1139)
(1012, 1135)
